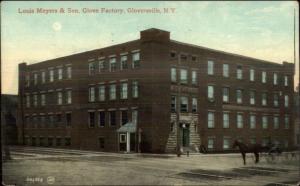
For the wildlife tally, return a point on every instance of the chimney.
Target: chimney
(156, 35)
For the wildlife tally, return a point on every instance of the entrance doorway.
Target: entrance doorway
(127, 142)
(186, 136)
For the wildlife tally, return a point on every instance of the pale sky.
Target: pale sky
(261, 30)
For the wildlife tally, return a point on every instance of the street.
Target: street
(49, 166)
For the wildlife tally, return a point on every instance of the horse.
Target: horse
(243, 148)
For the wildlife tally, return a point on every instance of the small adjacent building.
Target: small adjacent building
(134, 97)
(9, 105)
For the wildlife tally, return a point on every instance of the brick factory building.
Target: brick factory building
(125, 97)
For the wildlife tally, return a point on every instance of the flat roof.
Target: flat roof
(226, 53)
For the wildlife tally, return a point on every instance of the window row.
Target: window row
(47, 141)
(240, 93)
(43, 99)
(109, 118)
(183, 76)
(277, 122)
(184, 103)
(252, 74)
(110, 64)
(49, 120)
(58, 73)
(227, 142)
(101, 90)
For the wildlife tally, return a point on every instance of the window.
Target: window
(68, 119)
(134, 116)
(263, 77)
(183, 76)
(194, 77)
(210, 67)
(92, 119)
(239, 96)
(172, 54)
(27, 101)
(286, 101)
(43, 77)
(122, 138)
(225, 120)
(101, 93)
(91, 94)
(91, 68)
(252, 74)
(59, 98)
(35, 100)
(252, 141)
(136, 60)
(35, 78)
(42, 120)
(27, 121)
(239, 121)
(225, 94)
(286, 143)
(286, 122)
(194, 58)
(67, 141)
(210, 143)
(112, 118)
(183, 104)
(58, 118)
(252, 97)
(124, 90)
(275, 79)
(264, 99)
(211, 120)
(276, 100)
(173, 103)
(112, 92)
(101, 143)
(43, 99)
(226, 143)
(42, 141)
(124, 117)
(276, 122)
(264, 141)
(135, 89)
(173, 75)
(225, 70)
(286, 83)
(69, 96)
(194, 105)
(33, 141)
(101, 65)
(60, 73)
(183, 57)
(124, 62)
(51, 120)
(239, 72)
(51, 75)
(35, 120)
(210, 93)
(252, 121)
(101, 119)
(112, 64)
(58, 141)
(27, 80)
(69, 72)
(265, 122)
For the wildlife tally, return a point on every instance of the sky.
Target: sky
(262, 30)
